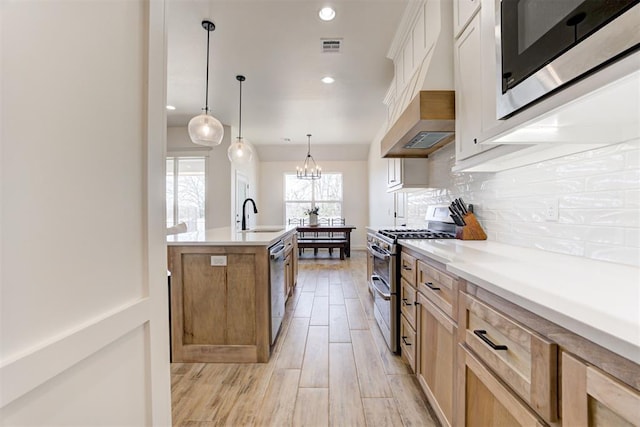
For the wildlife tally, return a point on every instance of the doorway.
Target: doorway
(242, 192)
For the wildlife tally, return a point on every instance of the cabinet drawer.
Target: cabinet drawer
(408, 268)
(408, 342)
(439, 287)
(408, 302)
(524, 360)
(486, 401)
(288, 242)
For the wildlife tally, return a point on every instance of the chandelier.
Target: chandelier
(310, 170)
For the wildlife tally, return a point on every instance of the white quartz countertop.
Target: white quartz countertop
(263, 235)
(595, 299)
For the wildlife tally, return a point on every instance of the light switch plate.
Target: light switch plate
(219, 260)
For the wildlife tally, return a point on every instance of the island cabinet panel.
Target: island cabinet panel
(219, 313)
(204, 298)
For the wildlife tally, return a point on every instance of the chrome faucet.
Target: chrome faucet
(244, 215)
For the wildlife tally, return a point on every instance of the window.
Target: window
(302, 194)
(186, 192)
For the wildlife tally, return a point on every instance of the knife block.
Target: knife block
(472, 231)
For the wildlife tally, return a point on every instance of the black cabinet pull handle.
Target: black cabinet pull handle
(416, 303)
(404, 340)
(405, 301)
(431, 286)
(481, 333)
(404, 267)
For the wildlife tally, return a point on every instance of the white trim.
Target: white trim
(183, 152)
(158, 370)
(32, 367)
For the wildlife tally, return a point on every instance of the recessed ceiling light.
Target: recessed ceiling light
(171, 107)
(327, 14)
(328, 80)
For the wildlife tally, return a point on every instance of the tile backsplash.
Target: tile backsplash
(597, 193)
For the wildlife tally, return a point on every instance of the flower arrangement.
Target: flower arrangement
(312, 211)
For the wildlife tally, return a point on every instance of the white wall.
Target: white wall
(218, 182)
(381, 208)
(355, 203)
(598, 193)
(83, 300)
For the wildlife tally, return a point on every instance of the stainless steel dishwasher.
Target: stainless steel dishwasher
(276, 287)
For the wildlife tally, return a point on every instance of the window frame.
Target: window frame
(313, 201)
(176, 157)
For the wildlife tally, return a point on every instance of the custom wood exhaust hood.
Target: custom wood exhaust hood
(427, 124)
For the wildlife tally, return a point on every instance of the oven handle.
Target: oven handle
(378, 252)
(375, 279)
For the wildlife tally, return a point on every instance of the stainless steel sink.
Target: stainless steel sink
(264, 230)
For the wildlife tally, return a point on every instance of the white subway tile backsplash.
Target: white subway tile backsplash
(598, 194)
(632, 159)
(632, 199)
(594, 200)
(620, 254)
(614, 181)
(632, 237)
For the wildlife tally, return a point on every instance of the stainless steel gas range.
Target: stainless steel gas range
(384, 282)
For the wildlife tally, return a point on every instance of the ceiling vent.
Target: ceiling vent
(331, 45)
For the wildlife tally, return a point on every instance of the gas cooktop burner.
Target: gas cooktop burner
(416, 234)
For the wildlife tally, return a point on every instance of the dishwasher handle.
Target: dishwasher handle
(276, 251)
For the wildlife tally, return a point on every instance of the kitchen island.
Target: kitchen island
(220, 293)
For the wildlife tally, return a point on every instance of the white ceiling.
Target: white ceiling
(277, 46)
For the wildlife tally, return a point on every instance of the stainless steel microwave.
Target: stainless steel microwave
(543, 45)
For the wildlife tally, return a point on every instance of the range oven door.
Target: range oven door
(384, 303)
(383, 286)
(544, 44)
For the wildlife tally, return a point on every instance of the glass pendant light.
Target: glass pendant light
(310, 170)
(205, 129)
(240, 151)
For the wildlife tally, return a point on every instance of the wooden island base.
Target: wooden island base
(219, 313)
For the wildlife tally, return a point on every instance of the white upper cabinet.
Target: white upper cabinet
(468, 56)
(407, 174)
(583, 115)
(474, 71)
(463, 10)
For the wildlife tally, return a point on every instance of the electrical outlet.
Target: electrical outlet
(551, 210)
(219, 260)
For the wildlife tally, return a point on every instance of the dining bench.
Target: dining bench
(327, 237)
(327, 243)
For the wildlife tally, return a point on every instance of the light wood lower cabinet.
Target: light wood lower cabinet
(483, 400)
(524, 360)
(408, 342)
(219, 313)
(592, 398)
(436, 354)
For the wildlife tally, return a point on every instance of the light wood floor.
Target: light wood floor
(330, 365)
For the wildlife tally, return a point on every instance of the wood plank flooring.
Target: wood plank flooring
(330, 365)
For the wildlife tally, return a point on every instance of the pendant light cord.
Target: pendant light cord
(240, 115)
(308, 145)
(206, 91)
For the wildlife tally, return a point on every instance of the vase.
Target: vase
(313, 219)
